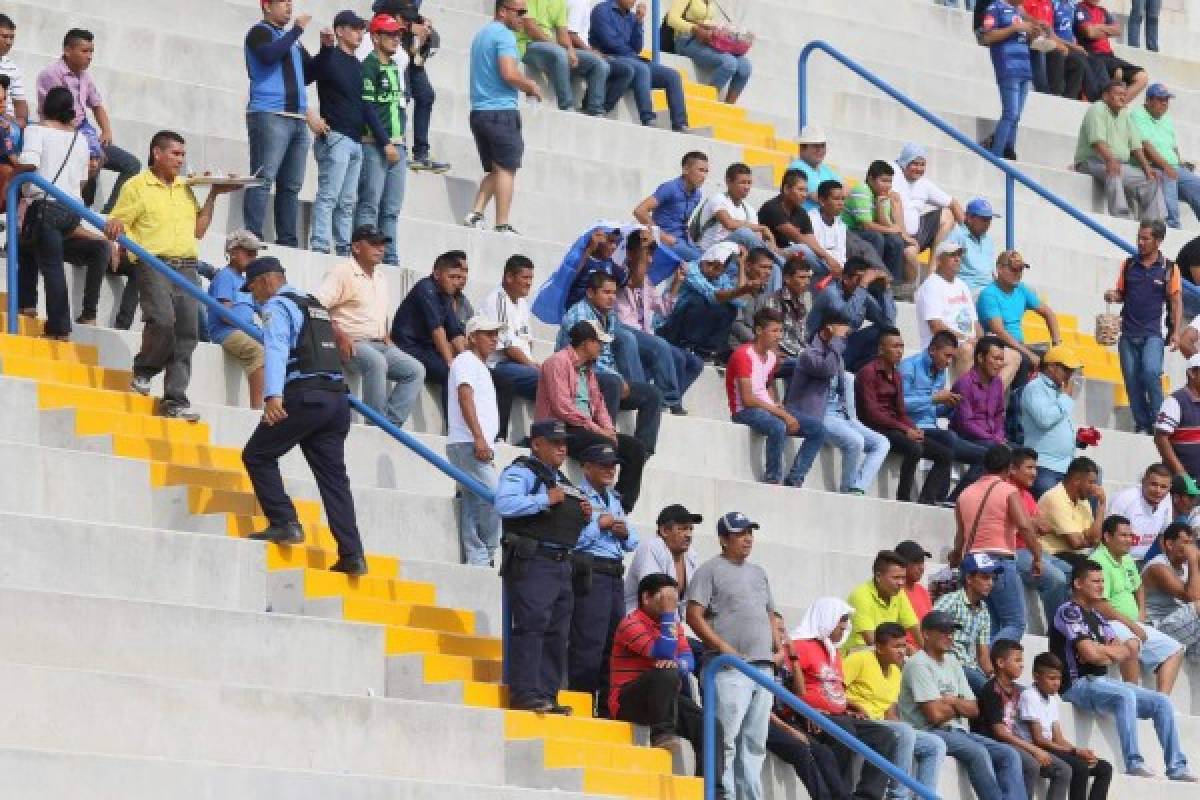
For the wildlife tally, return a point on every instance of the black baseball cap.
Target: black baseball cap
(349, 19)
(259, 267)
(678, 515)
(371, 234)
(551, 429)
(603, 454)
(911, 552)
(940, 621)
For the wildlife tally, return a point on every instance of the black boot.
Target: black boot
(287, 533)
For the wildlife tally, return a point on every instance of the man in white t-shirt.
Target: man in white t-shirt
(728, 216)
(513, 366)
(1147, 507)
(929, 212)
(944, 302)
(16, 104)
(474, 421)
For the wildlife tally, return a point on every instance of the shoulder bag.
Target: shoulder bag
(45, 212)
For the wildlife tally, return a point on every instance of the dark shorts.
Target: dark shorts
(498, 139)
(1112, 64)
(927, 230)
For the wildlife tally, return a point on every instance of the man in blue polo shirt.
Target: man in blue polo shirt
(979, 251)
(813, 145)
(673, 203)
(1002, 305)
(1006, 33)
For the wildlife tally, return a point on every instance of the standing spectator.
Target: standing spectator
(1177, 423)
(979, 414)
(979, 251)
(859, 294)
(1047, 403)
(617, 32)
(753, 403)
(669, 552)
(495, 119)
(474, 422)
(241, 247)
(935, 697)
(1094, 28)
(727, 215)
(1149, 8)
(15, 103)
(355, 293)
(729, 608)
(542, 515)
(914, 556)
(791, 226)
(425, 325)
(513, 366)
(1083, 640)
(599, 563)
(694, 23)
(380, 184)
(1147, 285)
(1001, 308)
(813, 144)
(879, 398)
(881, 599)
(1006, 33)
(546, 45)
(1172, 587)
(944, 303)
(1157, 130)
(277, 65)
(999, 700)
(71, 72)
(972, 637)
(1108, 146)
(1147, 507)
(672, 203)
(158, 210)
(929, 213)
(709, 299)
(875, 213)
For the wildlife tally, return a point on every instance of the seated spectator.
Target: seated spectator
(1172, 588)
(791, 226)
(1184, 496)
(241, 247)
(587, 419)
(694, 23)
(944, 303)
(513, 366)
(881, 599)
(1048, 580)
(1047, 403)
(1067, 73)
(753, 403)
(979, 251)
(978, 415)
(425, 325)
(1001, 309)
(874, 213)
(356, 295)
(727, 216)
(929, 213)
(546, 46)
(672, 204)
(830, 230)
(1094, 27)
(914, 556)
(597, 256)
(1157, 131)
(972, 637)
(935, 697)
(474, 423)
(818, 388)
(861, 294)
(1147, 507)
(1073, 526)
(879, 399)
(813, 145)
(669, 552)
(709, 298)
(742, 330)
(788, 300)
(650, 657)
(617, 32)
(873, 685)
(1039, 712)
(1109, 147)
(1083, 640)
(1188, 261)
(816, 641)
(1176, 422)
(999, 700)
(640, 308)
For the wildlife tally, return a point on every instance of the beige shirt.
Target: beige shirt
(358, 302)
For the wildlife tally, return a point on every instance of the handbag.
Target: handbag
(44, 212)
(1108, 327)
(727, 39)
(949, 579)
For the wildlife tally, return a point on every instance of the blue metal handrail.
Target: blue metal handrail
(1012, 175)
(800, 707)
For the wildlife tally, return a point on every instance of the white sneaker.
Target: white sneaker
(473, 220)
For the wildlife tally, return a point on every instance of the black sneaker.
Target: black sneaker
(507, 230)
(175, 411)
(353, 566)
(427, 164)
(288, 533)
(140, 384)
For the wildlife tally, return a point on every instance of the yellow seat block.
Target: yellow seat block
(94, 422)
(26, 326)
(401, 640)
(30, 347)
(189, 453)
(65, 372)
(1120, 396)
(412, 615)
(528, 725)
(642, 785)
(321, 583)
(742, 133)
(701, 90)
(205, 500)
(58, 395)
(443, 668)
(1068, 322)
(167, 474)
(495, 695)
(569, 753)
(699, 109)
(283, 556)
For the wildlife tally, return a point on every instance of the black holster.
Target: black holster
(582, 566)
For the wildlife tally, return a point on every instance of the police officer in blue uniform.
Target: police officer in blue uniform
(1006, 33)
(306, 404)
(542, 515)
(599, 575)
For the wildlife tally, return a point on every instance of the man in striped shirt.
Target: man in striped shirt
(15, 104)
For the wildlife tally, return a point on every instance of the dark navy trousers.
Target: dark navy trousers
(540, 599)
(598, 609)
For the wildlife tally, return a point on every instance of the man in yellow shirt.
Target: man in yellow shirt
(872, 680)
(158, 210)
(879, 600)
(1074, 528)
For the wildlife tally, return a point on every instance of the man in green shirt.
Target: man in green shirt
(546, 45)
(1124, 606)
(1108, 145)
(872, 210)
(1157, 130)
(381, 182)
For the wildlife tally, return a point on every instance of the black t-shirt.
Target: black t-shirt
(996, 706)
(773, 215)
(1074, 624)
(1189, 259)
(424, 310)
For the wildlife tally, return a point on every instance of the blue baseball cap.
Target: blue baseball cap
(980, 207)
(734, 522)
(980, 562)
(1160, 91)
(259, 267)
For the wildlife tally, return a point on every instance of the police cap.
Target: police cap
(603, 454)
(551, 429)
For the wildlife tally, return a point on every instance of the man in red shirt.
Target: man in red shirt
(918, 596)
(650, 656)
(1094, 26)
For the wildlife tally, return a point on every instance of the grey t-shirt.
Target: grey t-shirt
(737, 603)
(1159, 604)
(924, 680)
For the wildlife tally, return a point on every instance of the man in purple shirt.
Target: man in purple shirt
(70, 72)
(979, 415)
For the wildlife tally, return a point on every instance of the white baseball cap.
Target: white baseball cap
(720, 252)
(482, 322)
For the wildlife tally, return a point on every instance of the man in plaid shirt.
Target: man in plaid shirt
(974, 634)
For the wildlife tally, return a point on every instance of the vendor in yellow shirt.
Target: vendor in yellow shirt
(879, 600)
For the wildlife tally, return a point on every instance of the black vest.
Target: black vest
(559, 524)
(316, 350)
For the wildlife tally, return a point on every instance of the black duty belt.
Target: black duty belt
(609, 566)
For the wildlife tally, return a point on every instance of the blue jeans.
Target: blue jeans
(1126, 703)
(550, 59)
(658, 364)
(918, 753)
(775, 429)
(725, 69)
(1151, 9)
(278, 151)
(1053, 585)
(993, 768)
(744, 711)
(339, 162)
(513, 380)
(380, 195)
(478, 524)
(1141, 365)
(1185, 186)
(1006, 602)
(626, 355)
(1191, 298)
(420, 91)
(1013, 93)
(378, 363)
(856, 440)
(647, 76)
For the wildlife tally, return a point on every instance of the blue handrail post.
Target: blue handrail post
(14, 189)
(655, 22)
(1010, 213)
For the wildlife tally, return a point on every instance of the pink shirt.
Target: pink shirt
(996, 532)
(746, 363)
(639, 308)
(82, 87)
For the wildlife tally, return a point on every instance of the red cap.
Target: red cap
(384, 23)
